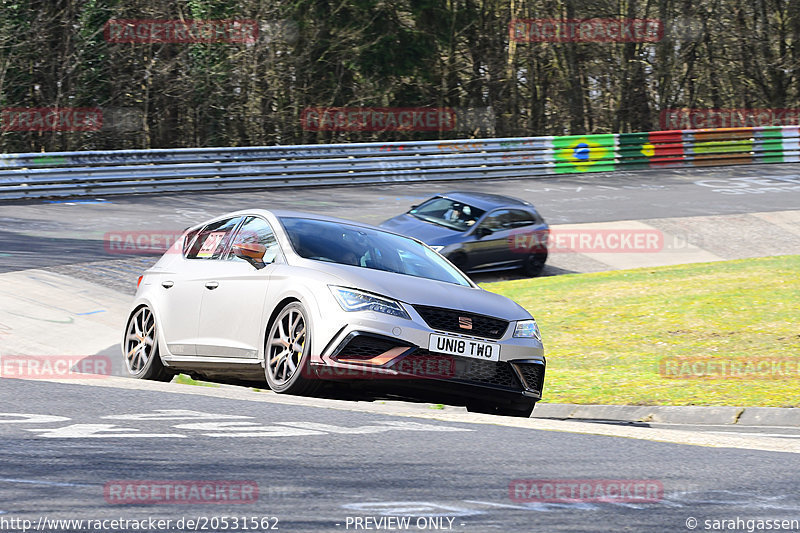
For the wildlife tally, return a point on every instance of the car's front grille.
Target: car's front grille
(497, 374)
(532, 375)
(462, 322)
(364, 347)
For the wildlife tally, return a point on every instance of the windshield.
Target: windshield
(449, 213)
(346, 244)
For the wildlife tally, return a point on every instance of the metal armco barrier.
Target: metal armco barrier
(99, 173)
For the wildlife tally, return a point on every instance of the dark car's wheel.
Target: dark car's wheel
(287, 352)
(534, 264)
(142, 359)
(523, 410)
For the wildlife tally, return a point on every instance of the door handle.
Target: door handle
(211, 285)
(167, 284)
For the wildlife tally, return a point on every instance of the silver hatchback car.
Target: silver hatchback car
(301, 300)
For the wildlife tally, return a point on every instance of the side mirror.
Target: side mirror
(482, 231)
(253, 253)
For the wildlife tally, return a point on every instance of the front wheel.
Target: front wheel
(287, 352)
(140, 348)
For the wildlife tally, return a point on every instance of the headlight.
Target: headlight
(436, 249)
(353, 300)
(527, 329)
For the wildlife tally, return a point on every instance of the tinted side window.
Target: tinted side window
(256, 230)
(187, 242)
(496, 221)
(213, 239)
(519, 219)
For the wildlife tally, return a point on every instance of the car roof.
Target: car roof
(484, 200)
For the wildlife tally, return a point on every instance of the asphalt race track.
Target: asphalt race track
(315, 466)
(38, 234)
(72, 449)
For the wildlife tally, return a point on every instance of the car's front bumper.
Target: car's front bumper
(380, 347)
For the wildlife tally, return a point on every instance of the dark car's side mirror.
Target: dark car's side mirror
(253, 253)
(482, 231)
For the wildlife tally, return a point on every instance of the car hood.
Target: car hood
(421, 291)
(426, 232)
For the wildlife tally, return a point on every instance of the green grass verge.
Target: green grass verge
(606, 333)
(183, 379)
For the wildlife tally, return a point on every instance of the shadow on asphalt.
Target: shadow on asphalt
(360, 391)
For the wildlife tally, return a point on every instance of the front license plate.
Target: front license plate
(485, 351)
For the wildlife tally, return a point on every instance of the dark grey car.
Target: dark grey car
(479, 232)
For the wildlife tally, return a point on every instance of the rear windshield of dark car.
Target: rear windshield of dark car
(357, 246)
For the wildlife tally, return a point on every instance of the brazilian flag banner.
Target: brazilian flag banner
(584, 153)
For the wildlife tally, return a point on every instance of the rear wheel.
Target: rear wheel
(523, 410)
(287, 352)
(142, 359)
(534, 264)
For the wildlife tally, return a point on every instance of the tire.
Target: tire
(287, 352)
(523, 410)
(534, 264)
(140, 347)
